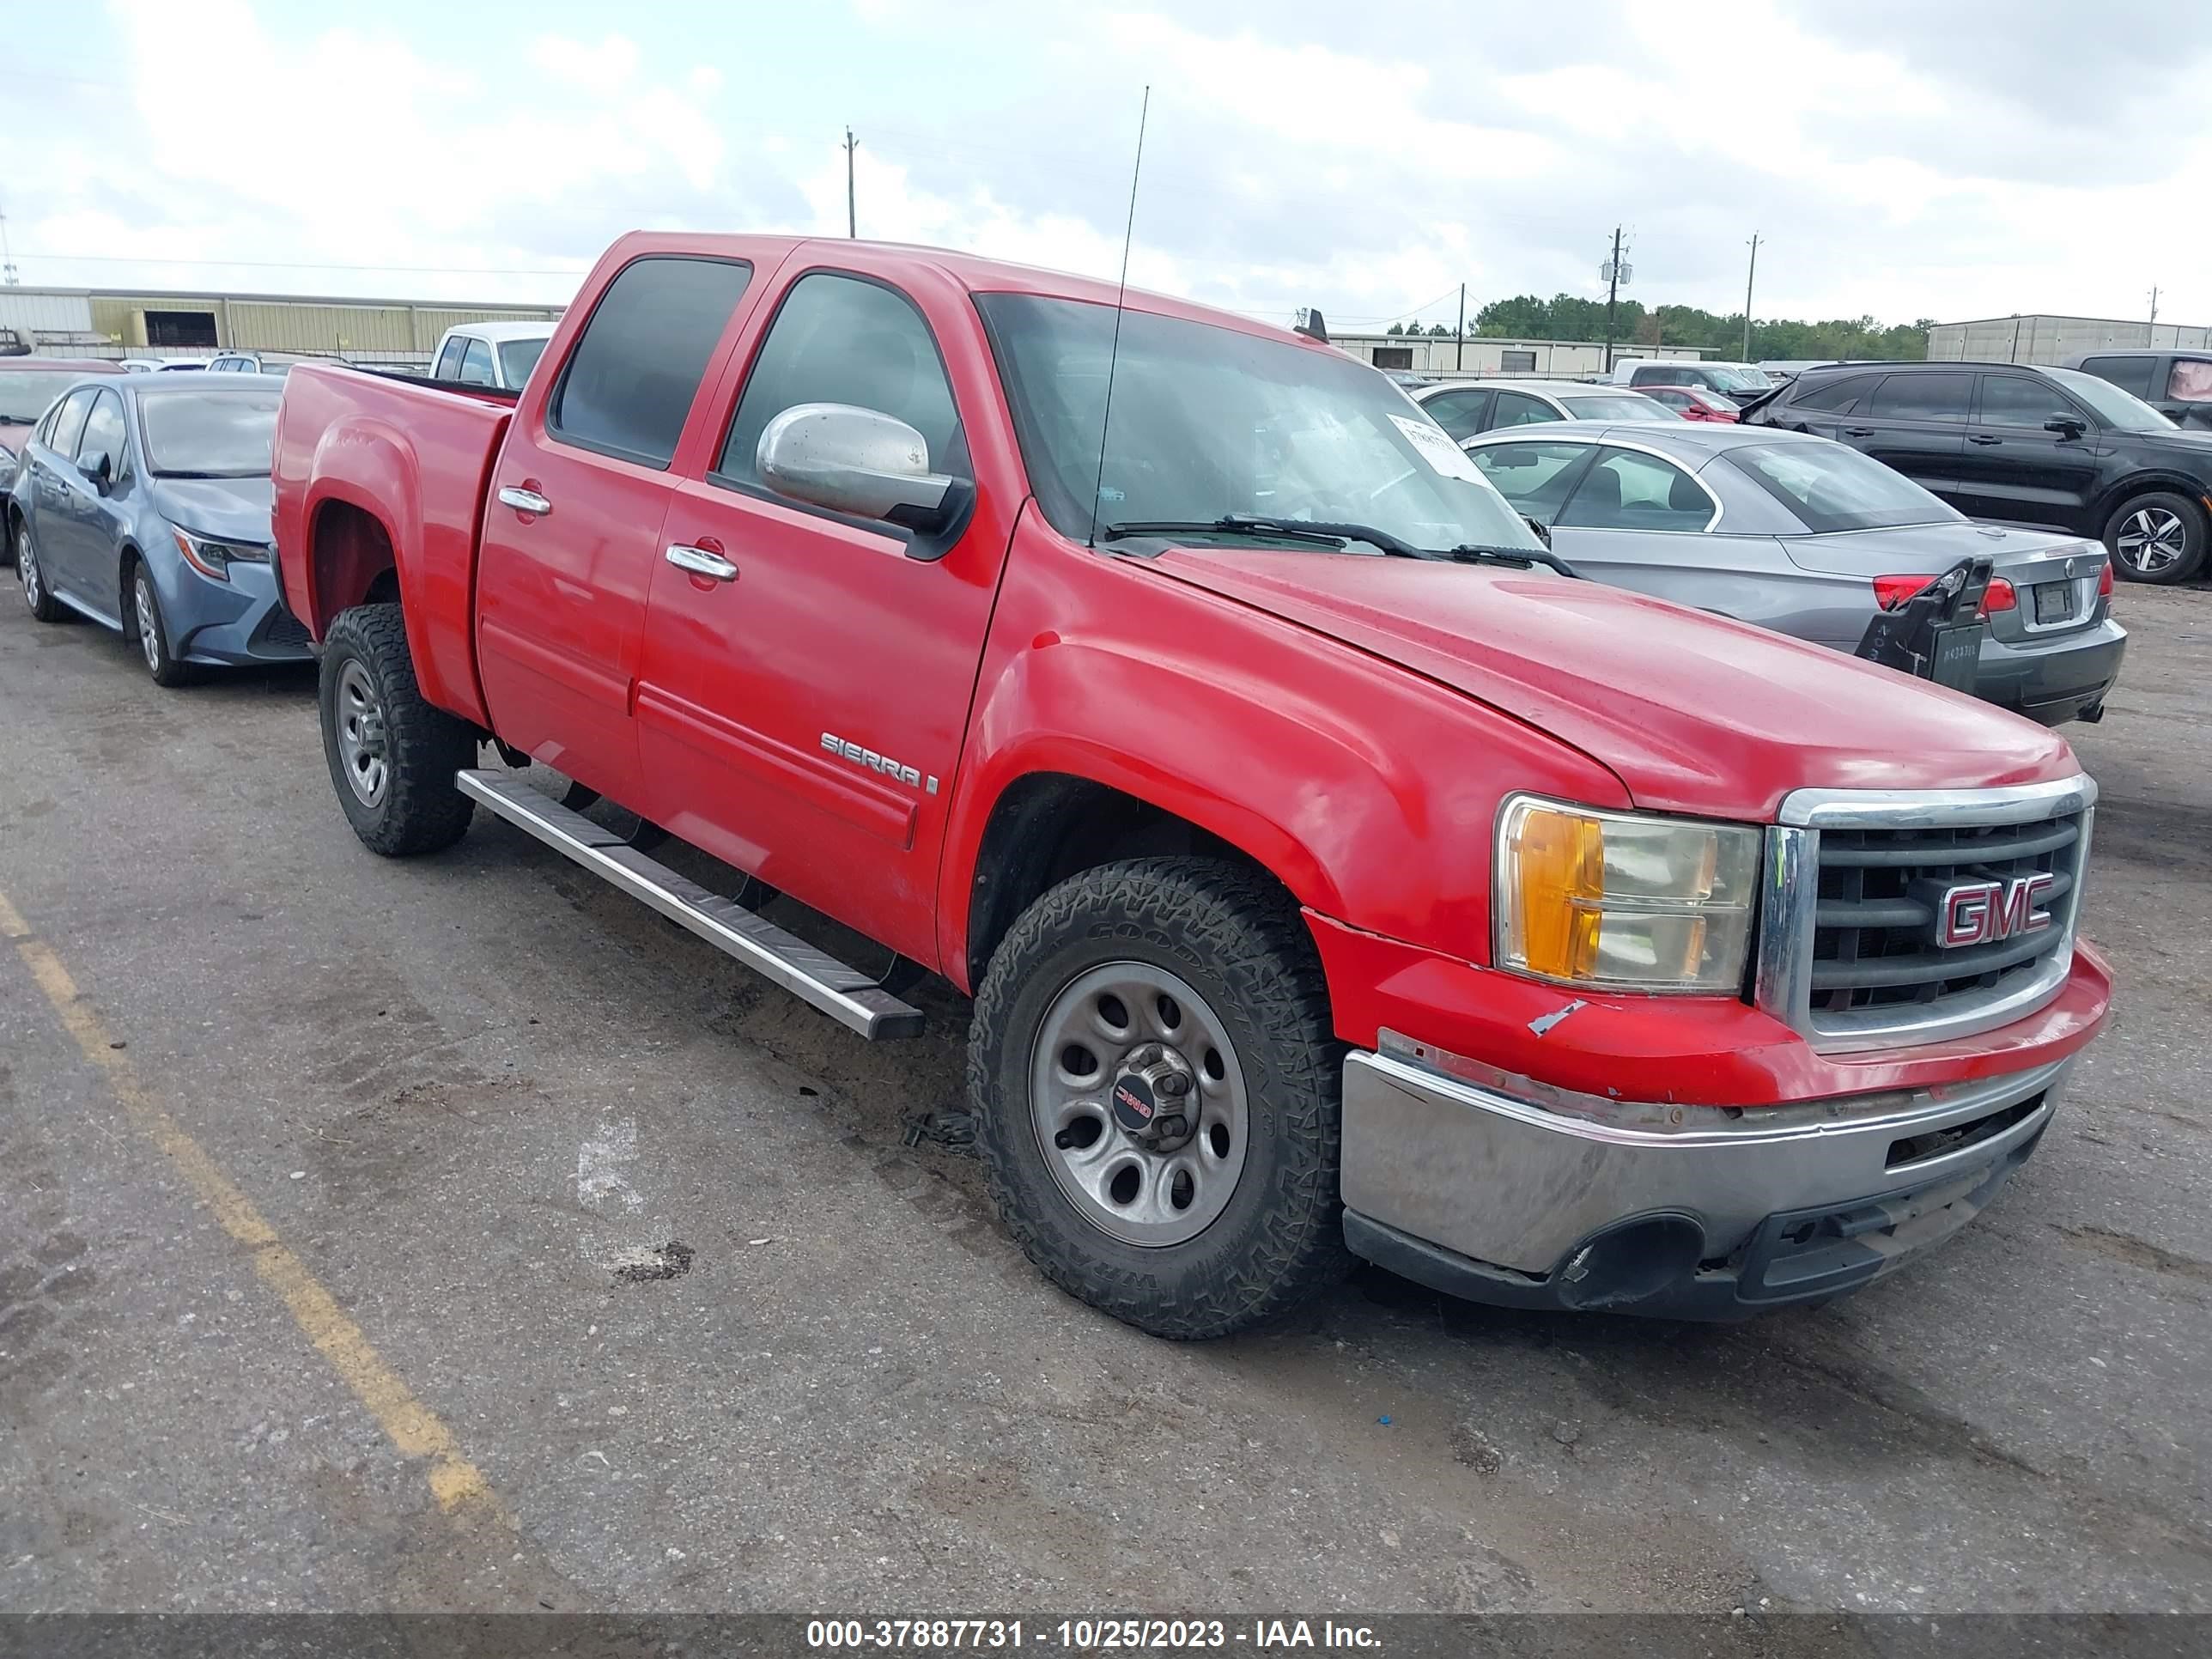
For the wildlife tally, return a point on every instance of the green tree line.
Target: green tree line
(1570, 317)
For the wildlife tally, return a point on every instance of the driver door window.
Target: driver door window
(841, 339)
(1533, 477)
(475, 364)
(1519, 408)
(103, 430)
(1629, 490)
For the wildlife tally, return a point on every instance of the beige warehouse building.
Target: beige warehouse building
(131, 323)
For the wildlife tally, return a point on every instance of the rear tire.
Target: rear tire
(37, 597)
(393, 755)
(2158, 538)
(1203, 972)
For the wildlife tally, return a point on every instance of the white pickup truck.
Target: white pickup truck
(497, 354)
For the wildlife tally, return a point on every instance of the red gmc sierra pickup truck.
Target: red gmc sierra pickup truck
(1334, 875)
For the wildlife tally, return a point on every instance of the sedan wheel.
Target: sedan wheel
(149, 622)
(38, 598)
(2152, 539)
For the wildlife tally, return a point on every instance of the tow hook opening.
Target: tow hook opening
(1631, 1260)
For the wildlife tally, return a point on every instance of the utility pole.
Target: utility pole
(1749, 277)
(2150, 333)
(1459, 360)
(1615, 274)
(852, 220)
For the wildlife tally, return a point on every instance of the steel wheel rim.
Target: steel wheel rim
(1154, 1196)
(360, 734)
(149, 629)
(2153, 539)
(26, 567)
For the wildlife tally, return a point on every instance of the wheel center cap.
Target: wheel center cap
(1151, 1097)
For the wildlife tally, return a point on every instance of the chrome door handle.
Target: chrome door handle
(700, 562)
(523, 501)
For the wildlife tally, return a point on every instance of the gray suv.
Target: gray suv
(1811, 538)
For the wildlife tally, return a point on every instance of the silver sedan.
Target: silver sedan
(1811, 538)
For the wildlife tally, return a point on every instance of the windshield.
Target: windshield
(1741, 379)
(25, 394)
(1618, 408)
(1831, 486)
(517, 358)
(2122, 410)
(1211, 421)
(209, 434)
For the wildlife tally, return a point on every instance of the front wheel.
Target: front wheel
(145, 621)
(2158, 538)
(393, 755)
(37, 597)
(1157, 1087)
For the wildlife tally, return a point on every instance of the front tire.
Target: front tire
(1157, 1087)
(144, 622)
(392, 754)
(37, 597)
(2158, 538)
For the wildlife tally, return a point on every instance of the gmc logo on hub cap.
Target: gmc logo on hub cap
(1986, 911)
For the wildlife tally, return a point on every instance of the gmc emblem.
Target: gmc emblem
(1984, 912)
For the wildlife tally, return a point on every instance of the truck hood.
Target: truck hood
(1693, 713)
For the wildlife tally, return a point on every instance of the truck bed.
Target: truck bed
(414, 456)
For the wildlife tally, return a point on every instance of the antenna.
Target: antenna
(1128, 234)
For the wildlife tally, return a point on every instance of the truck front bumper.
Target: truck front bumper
(1503, 1190)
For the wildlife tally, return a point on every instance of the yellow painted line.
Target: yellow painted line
(416, 1431)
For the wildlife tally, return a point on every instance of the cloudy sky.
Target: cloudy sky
(1898, 157)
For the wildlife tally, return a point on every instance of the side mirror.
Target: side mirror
(2066, 426)
(857, 461)
(100, 468)
(1543, 531)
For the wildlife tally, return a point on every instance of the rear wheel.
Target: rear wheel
(2158, 538)
(393, 755)
(37, 597)
(1157, 1087)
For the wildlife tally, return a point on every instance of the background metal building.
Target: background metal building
(121, 322)
(2042, 338)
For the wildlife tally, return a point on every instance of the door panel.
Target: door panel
(2009, 467)
(563, 592)
(1916, 424)
(804, 718)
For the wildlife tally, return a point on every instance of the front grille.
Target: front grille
(1874, 937)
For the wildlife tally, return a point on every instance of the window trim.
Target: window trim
(916, 545)
(1599, 445)
(548, 410)
(122, 458)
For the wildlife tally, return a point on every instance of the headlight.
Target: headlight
(213, 558)
(1614, 900)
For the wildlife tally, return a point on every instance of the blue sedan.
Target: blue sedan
(144, 504)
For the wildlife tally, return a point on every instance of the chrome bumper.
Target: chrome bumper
(1518, 1179)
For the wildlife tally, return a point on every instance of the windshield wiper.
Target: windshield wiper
(1285, 529)
(1484, 553)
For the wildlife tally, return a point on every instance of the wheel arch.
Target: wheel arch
(1045, 827)
(2149, 483)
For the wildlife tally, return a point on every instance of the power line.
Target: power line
(304, 264)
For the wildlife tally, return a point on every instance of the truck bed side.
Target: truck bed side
(379, 496)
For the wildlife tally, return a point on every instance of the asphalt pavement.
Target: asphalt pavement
(457, 1234)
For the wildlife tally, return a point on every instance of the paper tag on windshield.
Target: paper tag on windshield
(1434, 445)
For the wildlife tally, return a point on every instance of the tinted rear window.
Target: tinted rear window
(629, 385)
(1922, 397)
(1837, 397)
(2129, 373)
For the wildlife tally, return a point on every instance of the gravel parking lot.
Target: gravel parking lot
(460, 1233)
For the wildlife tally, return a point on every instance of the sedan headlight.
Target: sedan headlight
(1620, 901)
(214, 558)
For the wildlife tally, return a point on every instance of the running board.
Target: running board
(850, 998)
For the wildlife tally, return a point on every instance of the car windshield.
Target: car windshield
(1741, 379)
(25, 394)
(209, 434)
(1210, 422)
(1831, 486)
(517, 358)
(2122, 410)
(1618, 408)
